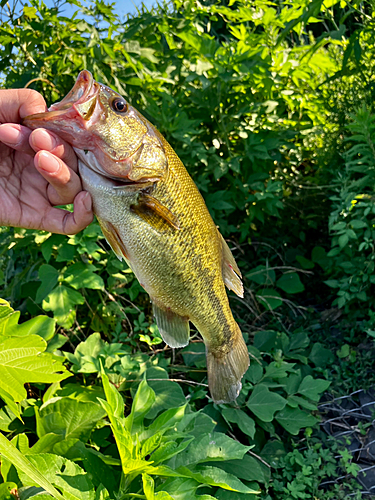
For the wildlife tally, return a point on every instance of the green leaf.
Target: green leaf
(211, 447)
(248, 469)
(62, 301)
(69, 418)
(81, 275)
(290, 283)
(264, 403)
(239, 417)
(321, 356)
(183, 489)
(167, 394)
(213, 476)
(5, 491)
(71, 479)
(148, 487)
(30, 12)
(269, 298)
(49, 277)
(142, 403)
(312, 388)
(26, 362)
(293, 420)
(40, 325)
(27, 467)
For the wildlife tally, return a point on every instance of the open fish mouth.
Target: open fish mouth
(80, 101)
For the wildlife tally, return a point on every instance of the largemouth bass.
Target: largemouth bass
(154, 217)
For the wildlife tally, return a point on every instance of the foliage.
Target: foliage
(301, 474)
(351, 220)
(256, 98)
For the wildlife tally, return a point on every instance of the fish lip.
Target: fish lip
(84, 88)
(80, 92)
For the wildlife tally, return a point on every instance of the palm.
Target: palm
(23, 191)
(31, 186)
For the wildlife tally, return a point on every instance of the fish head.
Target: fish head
(94, 118)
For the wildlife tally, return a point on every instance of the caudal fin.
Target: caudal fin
(225, 371)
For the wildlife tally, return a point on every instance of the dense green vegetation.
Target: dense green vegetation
(268, 104)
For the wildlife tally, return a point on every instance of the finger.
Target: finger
(63, 222)
(16, 137)
(15, 104)
(64, 183)
(42, 139)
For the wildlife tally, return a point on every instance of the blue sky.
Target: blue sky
(122, 8)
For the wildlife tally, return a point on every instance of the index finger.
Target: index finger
(15, 104)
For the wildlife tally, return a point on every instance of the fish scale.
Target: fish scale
(154, 217)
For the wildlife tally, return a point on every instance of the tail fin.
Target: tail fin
(226, 370)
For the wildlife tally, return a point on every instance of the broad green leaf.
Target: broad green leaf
(49, 276)
(213, 476)
(27, 467)
(82, 275)
(312, 388)
(40, 325)
(167, 394)
(73, 481)
(239, 417)
(26, 362)
(321, 356)
(211, 447)
(62, 301)
(183, 489)
(233, 495)
(269, 298)
(264, 403)
(69, 418)
(248, 469)
(293, 419)
(290, 283)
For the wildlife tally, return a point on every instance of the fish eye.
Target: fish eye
(119, 105)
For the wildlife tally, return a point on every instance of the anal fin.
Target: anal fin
(154, 212)
(113, 238)
(173, 328)
(231, 273)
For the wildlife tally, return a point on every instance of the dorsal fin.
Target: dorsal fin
(231, 273)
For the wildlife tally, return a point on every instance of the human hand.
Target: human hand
(31, 186)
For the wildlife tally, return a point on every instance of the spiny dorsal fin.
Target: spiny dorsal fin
(173, 328)
(151, 210)
(231, 273)
(113, 238)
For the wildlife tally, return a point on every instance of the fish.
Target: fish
(154, 217)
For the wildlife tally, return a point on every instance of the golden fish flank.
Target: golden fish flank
(153, 215)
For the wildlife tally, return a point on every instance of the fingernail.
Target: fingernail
(41, 139)
(10, 134)
(87, 202)
(48, 163)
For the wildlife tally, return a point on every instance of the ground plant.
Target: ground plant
(269, 106)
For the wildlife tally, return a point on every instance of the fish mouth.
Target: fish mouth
(80, 101)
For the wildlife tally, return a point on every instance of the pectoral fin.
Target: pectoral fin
(173, 328)
(231, 273)
(113, 238)
(154, 213)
